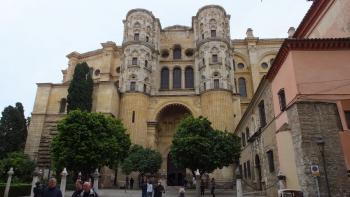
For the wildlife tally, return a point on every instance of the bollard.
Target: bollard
(7, 189)
(239, 183)
(64, 174)
(96, 175)
(36, 175)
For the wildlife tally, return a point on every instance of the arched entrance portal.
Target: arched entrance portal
(168, 119)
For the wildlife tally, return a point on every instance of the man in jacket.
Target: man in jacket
(52, 190)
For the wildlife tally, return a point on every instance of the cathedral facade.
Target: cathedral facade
(157, 76)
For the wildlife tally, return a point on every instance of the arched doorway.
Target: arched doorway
(168, 118)
(258, 171)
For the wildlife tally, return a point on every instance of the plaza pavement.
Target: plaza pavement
(171, 192)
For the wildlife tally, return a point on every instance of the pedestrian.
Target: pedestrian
(127, 182)
(185, 182)
(131, 183)
(144, 187)
(88, 191)
(159, 190)
(202, 187)
(181, 192)
(78, 188)
(38, 189)
(212, 190)
(149, 189)
(52, 190)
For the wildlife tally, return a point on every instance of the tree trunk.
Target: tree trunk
(115, 177)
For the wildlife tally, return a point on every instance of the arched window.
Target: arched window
(177, 52)
(216, 83)
(177, 78)
(63, 104)
(242, 87)
(189, 79)
(164, 81)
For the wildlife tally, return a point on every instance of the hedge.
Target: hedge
(16, 189)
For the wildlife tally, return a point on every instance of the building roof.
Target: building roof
(310, 18)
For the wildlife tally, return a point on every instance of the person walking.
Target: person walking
(52, 190)
(38, 189)
(159, 190)
(78, 188)
(212, 189)
(202, 186)
(131, 183)
(144, 187)
(149, 189)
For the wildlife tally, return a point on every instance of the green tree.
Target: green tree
(86, 141)
(142, 160)
(196, 145)
(80, 89)
(21, 164)
(13, 129)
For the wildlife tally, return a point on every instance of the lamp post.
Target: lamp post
(320, 143)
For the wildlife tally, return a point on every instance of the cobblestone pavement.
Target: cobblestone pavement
(171, 192)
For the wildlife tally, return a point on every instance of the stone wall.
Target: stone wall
(310, 121)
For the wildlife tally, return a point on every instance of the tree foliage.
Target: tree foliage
(196, 145)
(143, 160)
(13, 129)
(86, 141)
(22, 166)
(80, 89)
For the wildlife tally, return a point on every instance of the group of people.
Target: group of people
(129, 184)
(148, 189)
(212, 187)
(82, 189)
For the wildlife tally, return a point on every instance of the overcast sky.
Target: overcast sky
(36, 35)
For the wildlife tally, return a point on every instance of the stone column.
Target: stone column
(170, 78)
(239, 183)
(36, 175)
(96, 176)
(152, 135)
(64, 174)
(7, 189)
(183, 78)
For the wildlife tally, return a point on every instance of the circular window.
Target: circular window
(189, 52)
(97, 72)
(165, 53)
(264, 65)
(240, 65)
(117, 70)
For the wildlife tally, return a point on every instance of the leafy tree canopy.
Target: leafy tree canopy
(22, 166)
(143, 160)
(86, 141)
(13, 130)
(196, 145)
(80, 89)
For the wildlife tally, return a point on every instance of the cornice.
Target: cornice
(306, 45)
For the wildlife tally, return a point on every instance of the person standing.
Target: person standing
(144, 187)
(38, 189)
(212, 189)
(202, 187)
(88, 191)
(149, 189)
(127, 182)
(159, 190)
(78, 188)
(131, 183)
(52, 190)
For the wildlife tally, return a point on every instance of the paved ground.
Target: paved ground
(171, 192)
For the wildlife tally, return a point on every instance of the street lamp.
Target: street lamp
(320, 143)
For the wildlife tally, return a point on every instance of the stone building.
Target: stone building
(304, 105)
(159, 75)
